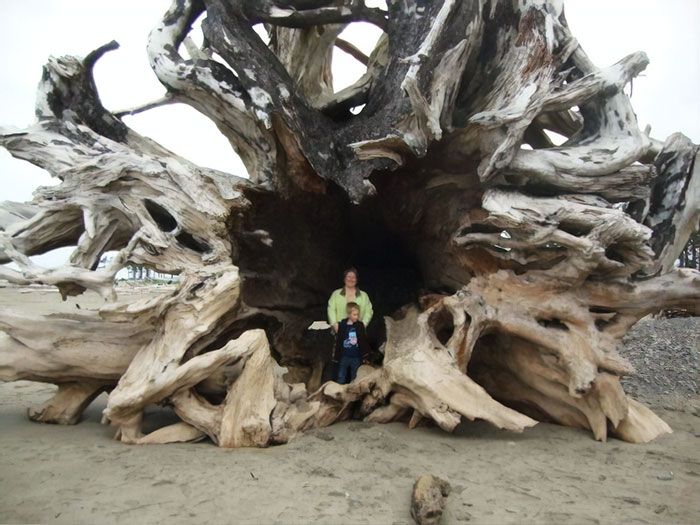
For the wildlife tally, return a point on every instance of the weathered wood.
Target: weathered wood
(510, 274)
(428, 499)
(674, 207)
(67, 405)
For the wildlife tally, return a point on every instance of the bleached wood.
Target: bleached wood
(175, 433)
(428, 499)
(249, 403)
(67, 405)
(533, 263)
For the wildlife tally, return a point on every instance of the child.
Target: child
(351, 346)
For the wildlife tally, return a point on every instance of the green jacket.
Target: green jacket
(337, 307)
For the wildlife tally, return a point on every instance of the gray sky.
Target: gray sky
(30, 30)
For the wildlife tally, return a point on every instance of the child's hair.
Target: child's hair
(353, 306)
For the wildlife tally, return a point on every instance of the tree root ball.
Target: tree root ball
(506, 270)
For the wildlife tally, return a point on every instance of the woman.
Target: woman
(349, 293)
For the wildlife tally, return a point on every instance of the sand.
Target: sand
(349, 473)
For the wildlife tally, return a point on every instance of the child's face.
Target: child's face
(353, 315)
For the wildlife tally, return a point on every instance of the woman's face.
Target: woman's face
(350, 280)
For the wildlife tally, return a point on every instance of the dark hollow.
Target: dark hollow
(190, 241)
(314, 238)
(160, 215)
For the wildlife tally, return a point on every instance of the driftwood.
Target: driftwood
(511, 268)
(428, 499)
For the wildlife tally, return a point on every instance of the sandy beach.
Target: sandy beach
(352, 472)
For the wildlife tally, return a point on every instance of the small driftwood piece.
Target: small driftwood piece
(428, 499)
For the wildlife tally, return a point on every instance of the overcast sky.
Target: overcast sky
(665, 96)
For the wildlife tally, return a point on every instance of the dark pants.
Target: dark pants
(347, 369)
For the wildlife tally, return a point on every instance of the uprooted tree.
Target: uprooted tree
(520, 264)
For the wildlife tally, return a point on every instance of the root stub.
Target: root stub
(67, 405)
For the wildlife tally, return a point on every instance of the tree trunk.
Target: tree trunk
(508, 269)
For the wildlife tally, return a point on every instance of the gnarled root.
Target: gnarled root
(68, 404)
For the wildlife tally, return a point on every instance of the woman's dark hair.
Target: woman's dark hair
(351, 270)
